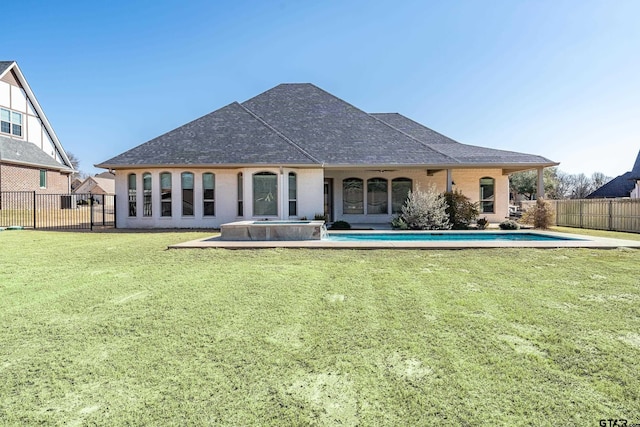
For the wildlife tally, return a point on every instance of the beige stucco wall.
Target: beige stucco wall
(310, 197)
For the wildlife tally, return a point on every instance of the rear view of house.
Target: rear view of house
(296, 151)
(31, 156)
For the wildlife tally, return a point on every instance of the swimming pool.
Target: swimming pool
(442, 236)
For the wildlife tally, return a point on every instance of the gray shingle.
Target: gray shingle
(301, 124)
(27, 153)
(467, 154)
(635, 172)
(4, 65)
(230, 135)
(620, 186)
(337, 132)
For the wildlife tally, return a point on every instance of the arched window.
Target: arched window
(165, 194)
(265, 194)
(186, 180)
(400, 188)
(146, 194)
(131, 179)
(352, 196)
(208, 194)
(377, 196)
(293, 194)
(240, 195)
(487, 195)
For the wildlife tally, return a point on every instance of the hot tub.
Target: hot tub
(273, 230)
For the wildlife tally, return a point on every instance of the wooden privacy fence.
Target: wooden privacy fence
(597, 214)
(57, 211)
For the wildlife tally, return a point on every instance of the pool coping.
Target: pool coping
(577, 241)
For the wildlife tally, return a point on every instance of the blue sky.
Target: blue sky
(555, 78)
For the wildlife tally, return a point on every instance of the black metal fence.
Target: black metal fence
(57, 211)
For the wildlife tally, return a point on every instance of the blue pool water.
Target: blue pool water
(439, 236)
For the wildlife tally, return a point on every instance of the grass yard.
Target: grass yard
(113, 329)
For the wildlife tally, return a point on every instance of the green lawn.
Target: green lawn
(113, 329)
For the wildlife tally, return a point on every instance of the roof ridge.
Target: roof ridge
(430, 146)
(277, 132)
(387, 124)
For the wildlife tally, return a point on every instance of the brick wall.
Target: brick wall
(24, 178)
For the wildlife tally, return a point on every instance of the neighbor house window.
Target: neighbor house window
(131, 179)
(352, 196)
(265, 194)
(43, 178)
(165, 194)
(487, 195)
(293, 194)
(377, 196)
(187, 193)
(240, 197)
(400, 188)
(146, 194)
(208, 194)
(10, 122)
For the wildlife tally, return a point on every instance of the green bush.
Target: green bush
(320, 217)
(482, 223)
(509, 225)
(540, 216)
(340, 225)
(423, 210)
(461, 210)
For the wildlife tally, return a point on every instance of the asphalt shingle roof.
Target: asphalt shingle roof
(635, 172)
(230, 135)
(4, 65)
(619, 186)
(19, 151)
(302, 124)
(337, 132)
(462, 152)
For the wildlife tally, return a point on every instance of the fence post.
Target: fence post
(34, 210)
(580, 204)
(104, 199)
(115, 212)
(610, 215)
(91, 213)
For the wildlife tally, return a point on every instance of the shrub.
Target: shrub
(540, 216)
(423, 210)
(482, 223)
(340, 225)
(320, 217)
(509, 225)
(462, 212)
(398, 223)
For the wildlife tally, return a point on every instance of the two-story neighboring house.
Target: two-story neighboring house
(31, 156)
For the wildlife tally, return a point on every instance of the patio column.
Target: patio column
(449, 181)
(540, 186)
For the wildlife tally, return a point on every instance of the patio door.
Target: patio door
(328, 199)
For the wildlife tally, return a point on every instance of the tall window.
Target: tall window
(208, 194)
(43, 178)
(240, 197)
(10, 122)
(165, 194)
(487, 195)
(146, 194)
(187, 193)
(352, 196)
(293, 194)
(132, 194)
(265, 194)
(400, 188)
(377, 196)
